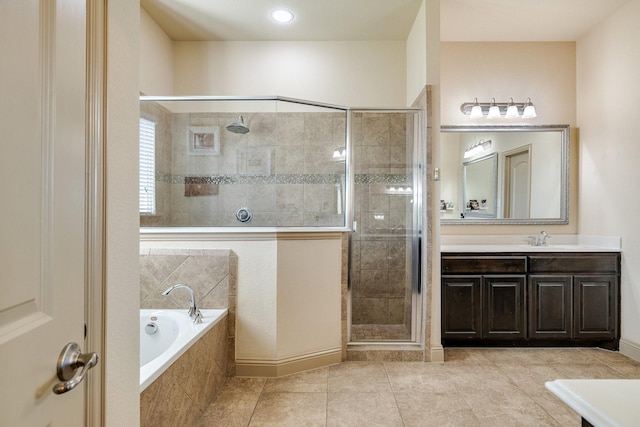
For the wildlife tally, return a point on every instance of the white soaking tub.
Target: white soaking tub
(174, 333)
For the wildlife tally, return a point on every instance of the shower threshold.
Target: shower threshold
(378, 333)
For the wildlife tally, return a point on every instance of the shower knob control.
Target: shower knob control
(244, 214)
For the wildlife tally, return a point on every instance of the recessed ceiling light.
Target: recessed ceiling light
(282, 16)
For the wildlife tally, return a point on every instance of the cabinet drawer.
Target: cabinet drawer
(484, 265)
(580, 263)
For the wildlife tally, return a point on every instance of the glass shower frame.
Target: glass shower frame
(418, 153)
(293, 183)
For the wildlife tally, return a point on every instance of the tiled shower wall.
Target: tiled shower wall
(282, 170)
(380, 251)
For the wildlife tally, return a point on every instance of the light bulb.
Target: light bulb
(476, 110)
(512, 110)
(529, 110)
(282, 16)
(494, 110)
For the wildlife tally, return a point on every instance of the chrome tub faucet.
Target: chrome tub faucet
(194, 312)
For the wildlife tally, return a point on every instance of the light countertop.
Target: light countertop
(603, 403)
(516, 243)
(525, 248)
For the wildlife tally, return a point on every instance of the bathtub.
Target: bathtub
(175, 333)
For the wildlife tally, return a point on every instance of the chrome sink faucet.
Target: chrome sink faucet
(540, 240)
(194, 312)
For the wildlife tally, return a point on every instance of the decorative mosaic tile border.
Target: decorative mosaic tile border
(284, 179)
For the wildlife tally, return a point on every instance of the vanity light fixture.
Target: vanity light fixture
(494, 110)
(282, 16)
(477, 148)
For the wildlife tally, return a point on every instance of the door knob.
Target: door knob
(70, 359)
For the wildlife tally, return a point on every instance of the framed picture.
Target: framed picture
(443, 206)
(203, 141)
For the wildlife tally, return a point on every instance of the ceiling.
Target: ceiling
(333, 20)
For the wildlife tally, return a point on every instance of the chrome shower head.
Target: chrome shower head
(238, 126)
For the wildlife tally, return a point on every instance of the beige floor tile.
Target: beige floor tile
(290, 410)
(474, 387)
(597, 371)
(245, 384)
(608, 356)
(231, 409)
(463, 355)
(530, 378)
(476, 379)
(310, 381)
(434, 410)
(575, 356)
(363, 409)
(419, 377)
(505, 399)
(518, 421)
(628, 369)
(364, 377)
(560, 411)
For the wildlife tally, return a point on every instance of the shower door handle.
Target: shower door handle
(70, 359)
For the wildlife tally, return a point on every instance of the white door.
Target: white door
(518, 184)
(42, 206)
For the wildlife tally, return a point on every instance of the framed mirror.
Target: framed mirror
(504, 174)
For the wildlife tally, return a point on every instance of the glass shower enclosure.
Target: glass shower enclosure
(384, 261)
(252, 162)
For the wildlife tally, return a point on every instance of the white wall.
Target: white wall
(546, 72)
(608, 89)
(156, 58)
(356, 74)
(417, 56)
(121, 359)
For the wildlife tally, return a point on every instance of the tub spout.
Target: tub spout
(194, 312)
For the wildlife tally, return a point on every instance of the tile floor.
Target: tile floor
(474, 387)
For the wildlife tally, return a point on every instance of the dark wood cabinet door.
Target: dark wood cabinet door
(461, 307)
(503, 316)
(550, 303)
(595, 306)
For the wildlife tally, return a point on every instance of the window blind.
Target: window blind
(147, 167)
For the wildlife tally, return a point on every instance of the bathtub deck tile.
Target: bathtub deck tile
(166, 407)
(190, 413)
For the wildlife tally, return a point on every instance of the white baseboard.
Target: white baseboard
(437, 353)
(630, 349)
(293, 365)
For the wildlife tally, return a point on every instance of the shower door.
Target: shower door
(384, 249)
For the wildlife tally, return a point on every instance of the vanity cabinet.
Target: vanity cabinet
(531, 299)
(574, 296)
(483, 306)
